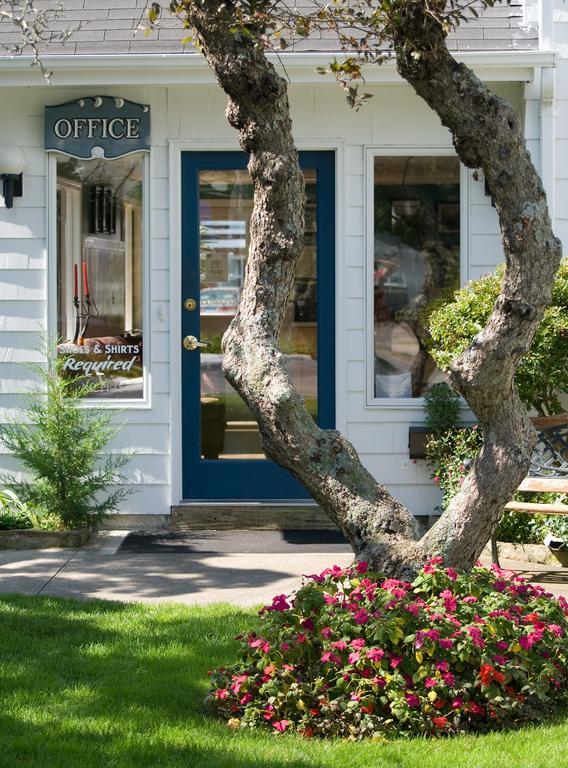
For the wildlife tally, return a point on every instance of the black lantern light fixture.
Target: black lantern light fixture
(12, 167)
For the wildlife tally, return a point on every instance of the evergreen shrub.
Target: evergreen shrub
(67, 482)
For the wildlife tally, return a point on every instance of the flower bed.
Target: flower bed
(354, 655)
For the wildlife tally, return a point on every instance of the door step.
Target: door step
(234, 516)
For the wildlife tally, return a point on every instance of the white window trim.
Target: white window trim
(400, 403)
(143, 403)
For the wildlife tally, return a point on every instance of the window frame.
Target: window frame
(129, 403)
(399, 403)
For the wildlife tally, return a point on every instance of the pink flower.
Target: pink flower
(358, 643)
(279, 603)
(430, 682)
(395, 661)
(268, 712)
(412, 701)
(361, 617)
(556, 630)
(445, 643)
(221, 693)
(354, 657)
(477, 636)
(503, 645)
(284, 647)
(443, 666)
(436, 481)
(469, 599)
(339, 645)
(375, 654)
(330, 599)
(361, 567)
(308, 624)
(457, 703)
(448, 679)
(326, 632)
(452, 575)
(246, 698)
(331, 658)
(280, 725)
(413, 608)
(301, 638)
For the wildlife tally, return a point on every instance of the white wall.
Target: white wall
(393, 118)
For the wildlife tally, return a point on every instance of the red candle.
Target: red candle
(75, 282)
(85, 280)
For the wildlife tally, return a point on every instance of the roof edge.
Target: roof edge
(182, 68)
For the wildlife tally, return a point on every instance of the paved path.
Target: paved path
(246, 579)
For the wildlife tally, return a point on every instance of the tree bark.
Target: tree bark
(487, 135)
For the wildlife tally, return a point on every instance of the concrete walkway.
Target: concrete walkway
(246, 579)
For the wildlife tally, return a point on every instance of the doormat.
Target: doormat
(234, 542)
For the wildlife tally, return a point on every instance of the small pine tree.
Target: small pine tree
(60, 444)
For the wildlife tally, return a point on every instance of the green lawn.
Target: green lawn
(99, 685)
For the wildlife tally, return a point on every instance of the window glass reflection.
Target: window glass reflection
(416, 261)
(228, 428)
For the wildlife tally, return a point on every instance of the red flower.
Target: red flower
(280, 725)
(440, 722)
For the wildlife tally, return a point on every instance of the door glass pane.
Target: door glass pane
(416, 263)
(228, 428)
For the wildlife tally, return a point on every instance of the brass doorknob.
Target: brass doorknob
(190, 343)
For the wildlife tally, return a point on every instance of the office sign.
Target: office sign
(97, 127)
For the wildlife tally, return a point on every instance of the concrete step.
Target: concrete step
(231, 516)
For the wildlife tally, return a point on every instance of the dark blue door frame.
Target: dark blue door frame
(241, 479)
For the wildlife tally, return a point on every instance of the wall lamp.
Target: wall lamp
(12, 167)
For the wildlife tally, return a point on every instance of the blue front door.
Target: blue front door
(222, 455)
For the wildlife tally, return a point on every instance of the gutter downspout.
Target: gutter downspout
(547, 110)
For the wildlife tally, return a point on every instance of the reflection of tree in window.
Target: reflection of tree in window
(416, 255)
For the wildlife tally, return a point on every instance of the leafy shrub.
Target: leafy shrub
(60, 444)
(451, 448)
(354, 655)
(543, 371)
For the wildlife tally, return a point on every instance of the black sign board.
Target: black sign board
(98, 126)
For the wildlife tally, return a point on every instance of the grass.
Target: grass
(108, 685)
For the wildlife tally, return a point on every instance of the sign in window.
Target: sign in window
(100, 273)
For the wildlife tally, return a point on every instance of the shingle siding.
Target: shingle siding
(100, 21)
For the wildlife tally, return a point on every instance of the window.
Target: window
(100, 273)
(416, 261)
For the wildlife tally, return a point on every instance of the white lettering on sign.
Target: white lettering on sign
(88, 367)
(98, 128)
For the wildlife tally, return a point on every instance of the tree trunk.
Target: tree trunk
(487, 135)
(377, 526)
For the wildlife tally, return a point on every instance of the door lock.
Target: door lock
(190, 343)
(190, 304)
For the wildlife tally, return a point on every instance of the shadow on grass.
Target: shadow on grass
(104, 684)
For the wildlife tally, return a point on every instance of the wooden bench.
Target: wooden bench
(548, 472)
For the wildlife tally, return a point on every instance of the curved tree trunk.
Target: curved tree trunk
(377, 526)
(487, 135)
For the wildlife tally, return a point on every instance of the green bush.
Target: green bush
(543, 372)
(353, 655)
(59, 444)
